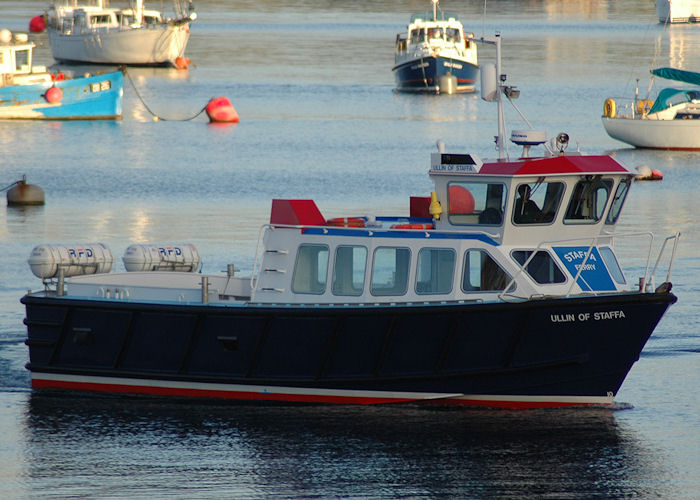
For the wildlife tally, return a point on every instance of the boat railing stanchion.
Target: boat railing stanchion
(60, 282)
(205, 289)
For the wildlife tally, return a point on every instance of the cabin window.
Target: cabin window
(349, 270)
(588, 200)
(452, 35)
(611, 263)
(541, 268)
(476, 203)
(482, 273)
(435, 270)
(434, 33)
(100, 20)
(618, 201)
(22, 59)
(417, 35)
(537, 202)
(311, 269)
(390, 271)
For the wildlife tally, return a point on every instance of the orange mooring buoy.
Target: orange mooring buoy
(220, 110)
(182, 62)
(25, 194)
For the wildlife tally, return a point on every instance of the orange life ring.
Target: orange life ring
(413, 226)
(346, 222)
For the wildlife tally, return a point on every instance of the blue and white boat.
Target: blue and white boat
(29, 91)
(435, 55)
(501, 288)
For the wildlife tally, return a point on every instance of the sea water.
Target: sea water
(313, 86)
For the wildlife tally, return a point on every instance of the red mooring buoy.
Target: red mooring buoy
(54, 95)
(37, 24)
(220, 110)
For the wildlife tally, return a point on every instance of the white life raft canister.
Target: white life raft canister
(161, 258)
(90, 258)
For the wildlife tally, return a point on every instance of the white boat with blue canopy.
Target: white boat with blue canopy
(671, 121)
(501, 288)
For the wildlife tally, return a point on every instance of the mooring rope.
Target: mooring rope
(155, 116)
(23, 179)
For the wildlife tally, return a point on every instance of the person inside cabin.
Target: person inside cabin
(526, 211)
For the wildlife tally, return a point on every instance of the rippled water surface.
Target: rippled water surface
(312, 83)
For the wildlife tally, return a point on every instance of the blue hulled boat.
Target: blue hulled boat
(435, 55)
(28, 91)
(500, 289)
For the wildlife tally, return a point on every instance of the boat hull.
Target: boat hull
(424, 74)
(95, 97)
(655, 134)
(550, 352)
(145, 46)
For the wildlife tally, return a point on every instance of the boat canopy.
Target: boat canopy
(671, 97)
(678, 75)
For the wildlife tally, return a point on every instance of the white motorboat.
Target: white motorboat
(678, 11)
(672, 121)
(89, 31)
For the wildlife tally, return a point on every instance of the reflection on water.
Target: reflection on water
(298, 451)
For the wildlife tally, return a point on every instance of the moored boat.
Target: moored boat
(678, 11)
(29, 91)
(671, 121)
(89, 31)
(435, 55)
(501, 289)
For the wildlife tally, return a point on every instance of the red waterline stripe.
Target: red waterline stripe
(208, 393)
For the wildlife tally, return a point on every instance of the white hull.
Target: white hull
(678, 11)
(156, 45)
(656, 134)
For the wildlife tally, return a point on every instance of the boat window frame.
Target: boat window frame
(601, 181)
(527, 190)
(525, 270)
(364, 272)
(489, 210)
(452, 273)
(465, 267)
(372, 289)
(612, 264)
(296, 268)
(615, 210)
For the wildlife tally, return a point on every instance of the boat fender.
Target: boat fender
(413, 226)
(643, 106)
(610, 108)
(182, 62)
(220, 110)
(54, 95)
(346, 222)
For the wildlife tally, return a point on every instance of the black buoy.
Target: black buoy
(22, 194)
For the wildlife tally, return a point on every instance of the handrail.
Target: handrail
(593, 243)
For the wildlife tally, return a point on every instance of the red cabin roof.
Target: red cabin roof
(573, 164)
